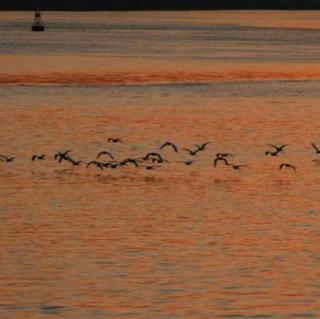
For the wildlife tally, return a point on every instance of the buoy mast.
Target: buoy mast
(37, 22)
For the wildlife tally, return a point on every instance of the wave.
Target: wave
(133, 78)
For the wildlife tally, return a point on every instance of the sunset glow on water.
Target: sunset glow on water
(176, 241)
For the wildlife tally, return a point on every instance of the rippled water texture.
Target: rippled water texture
(177, 241)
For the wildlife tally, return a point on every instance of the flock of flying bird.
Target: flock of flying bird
(153, 159)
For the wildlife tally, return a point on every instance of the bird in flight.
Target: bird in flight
(190, 162)
(236, 167)
(275, 153)
(287, 166)
(74, 163)
(202, 147)
(224, 155)
(191, 152)
(105, 153)
(114, 140)
(278, 148)
(129, 160)
(155, 157)
(98, 164)
(220, 159)
(111, 165)
(174, 147)
(6, 159)
(62, 156)
(150, 167)
(38, 157)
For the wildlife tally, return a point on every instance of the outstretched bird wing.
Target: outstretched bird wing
(274, 146)
(169, 144)
(203, 145)
(105, 153)
(191, 152)
(92, 162)
(315, 147)
(293, 167)
(153, 154)
(220, 159)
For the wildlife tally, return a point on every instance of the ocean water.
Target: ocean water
(177, 241)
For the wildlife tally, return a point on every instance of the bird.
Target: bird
(316, 148)
(275, 153)
(202, 146)
(113, 165)
(287, 166)
(154, 157)
(98, 164)
(129, 160)
(175, 148)
(115, 140)
(186, 162)
(277, 148)
(152, 154)
(105, 153)
(38, 157)
(161, 160)
(62, 155)
(6, 159)
(75, 163)
(236, 167)
(224, 155)
(149, 167)
(220, 159)
(192, 153)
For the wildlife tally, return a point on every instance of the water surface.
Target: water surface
(179, 241)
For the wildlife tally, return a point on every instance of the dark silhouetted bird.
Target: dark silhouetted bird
(38, 157)
(60, 156)
(175, 148)
(128, 161)
(275, 153)
(105, 153)
(277, 148)
(220, 159)
(287, 166)
(150, 167)
(191, 152)
(190, 162)
(151, 155)
(202, 147)
(115, 140)
(75, 163)
(224, 155)
(155, 158)
(6, 159)
(98, 164)
(236, 167)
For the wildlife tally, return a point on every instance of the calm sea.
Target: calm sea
(177, 241)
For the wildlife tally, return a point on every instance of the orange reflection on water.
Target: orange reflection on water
(114, 78)
(178, 241)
